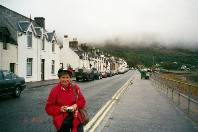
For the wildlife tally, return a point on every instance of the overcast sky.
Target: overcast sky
(127, 21)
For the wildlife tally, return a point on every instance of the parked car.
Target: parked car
(121, 70)
(112, 72)
(84, 74)
(109, 73)
(115, 72)
(10, 83)
(97, 74)
(104, 74)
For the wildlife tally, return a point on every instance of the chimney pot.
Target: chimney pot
(40, 21)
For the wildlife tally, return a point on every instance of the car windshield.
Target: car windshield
(1, 76)
(7, 75)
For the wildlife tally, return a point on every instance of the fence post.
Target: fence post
(172, 89)
(161, 83)
(167, 87)
(179, 95)
(189, 97)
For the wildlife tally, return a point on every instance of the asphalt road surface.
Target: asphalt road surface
(27, 114)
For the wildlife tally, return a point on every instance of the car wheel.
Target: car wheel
(17, 92)
(88, 78)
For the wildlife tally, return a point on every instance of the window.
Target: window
(4, 43)
(43, 44)
(29, 39)
(53, 66)
(53, 46)
(29, 67)
(12, 67)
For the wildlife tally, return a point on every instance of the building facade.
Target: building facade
(68, 58)
(27, 48)
(32, 52)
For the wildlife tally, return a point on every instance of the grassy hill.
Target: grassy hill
(158, 56)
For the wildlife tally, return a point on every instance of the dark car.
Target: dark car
(97, 74)
(109, 73)
(10, 83)
(84, 74)
(112, 72)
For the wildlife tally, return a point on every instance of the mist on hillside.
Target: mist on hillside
(146, 42)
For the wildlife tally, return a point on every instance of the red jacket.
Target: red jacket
(59, 97)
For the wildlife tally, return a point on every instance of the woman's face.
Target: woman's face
(65, 79)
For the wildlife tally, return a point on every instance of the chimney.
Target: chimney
(40, 21)
(65, 42)
(94, 51)
(74, 43)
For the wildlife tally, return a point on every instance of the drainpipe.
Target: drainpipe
(1, 56)
(37, 77)
(17, 64)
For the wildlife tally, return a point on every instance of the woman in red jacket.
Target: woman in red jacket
(61, 98)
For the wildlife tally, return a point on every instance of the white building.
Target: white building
(68, 58)
(30, 51)
(27, 48)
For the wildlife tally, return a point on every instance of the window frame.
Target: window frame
(29, 39)
(53, 46)
(53, 67)
(4, 43)
(29, 62)
(43, 43)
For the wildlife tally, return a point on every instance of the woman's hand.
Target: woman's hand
(63, 108)
(74, 107)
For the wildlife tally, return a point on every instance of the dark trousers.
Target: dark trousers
(79, 128)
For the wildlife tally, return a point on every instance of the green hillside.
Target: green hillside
(158, 56)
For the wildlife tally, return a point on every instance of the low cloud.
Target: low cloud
(122, 22)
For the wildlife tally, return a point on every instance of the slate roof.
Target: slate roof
(79, 53)
(13, 18)
(17, 22)
(23, 26)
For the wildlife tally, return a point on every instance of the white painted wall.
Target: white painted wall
(8, 56)
(48, 55)
(68, 56)
(37, 54)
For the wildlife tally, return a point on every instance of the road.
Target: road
(27, 114)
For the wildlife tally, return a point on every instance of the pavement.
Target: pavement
(43, 83)
(143, 109)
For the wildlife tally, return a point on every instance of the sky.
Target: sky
(168, 22)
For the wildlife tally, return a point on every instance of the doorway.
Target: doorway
(42, 69)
